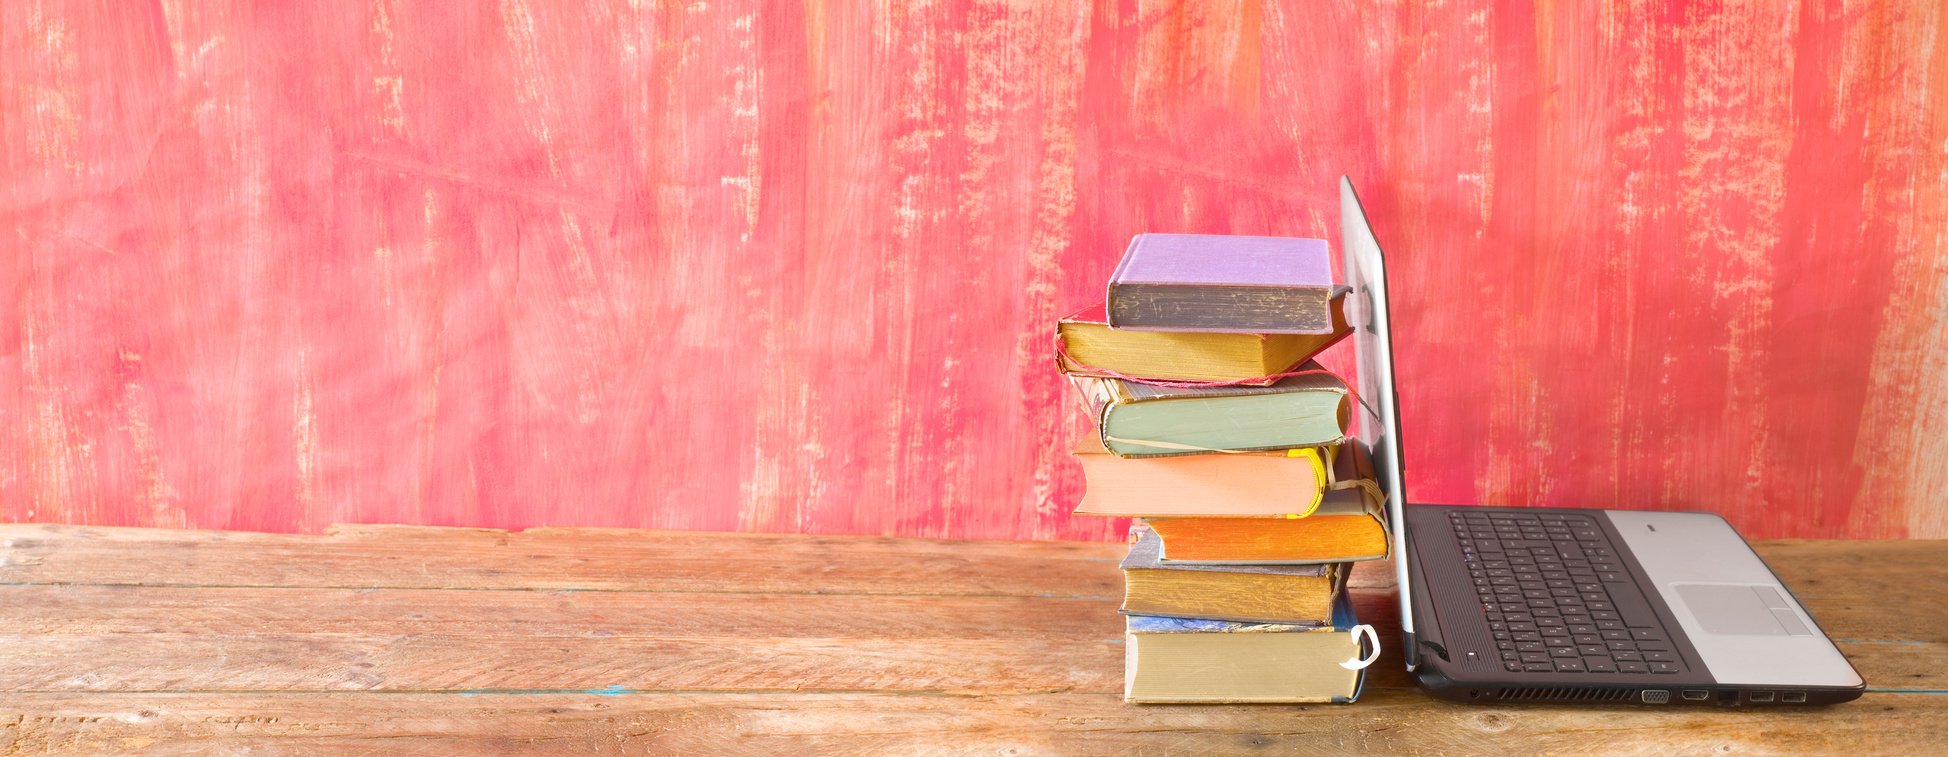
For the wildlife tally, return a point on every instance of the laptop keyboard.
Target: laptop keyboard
(1558, 598)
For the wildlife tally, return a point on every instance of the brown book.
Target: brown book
(1087, 346)
(1246, 484)
(1247, 593)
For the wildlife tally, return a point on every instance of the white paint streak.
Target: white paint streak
(390, 86)
(304, 436)
(159, 497)
(1734, 190)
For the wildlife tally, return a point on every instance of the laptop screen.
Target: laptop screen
(1379, 417)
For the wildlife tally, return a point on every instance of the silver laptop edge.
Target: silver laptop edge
(1366, 274)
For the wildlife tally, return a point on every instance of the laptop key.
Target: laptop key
(1646, 633)
(1599, 665)
(1569, 665)
(1593, 650)
(1626, 656)
(1562, 652)
(1535, 656)
(1632, 667)
(1539, 667)
(1631, 605)
(1663, 667)
(1660, 656)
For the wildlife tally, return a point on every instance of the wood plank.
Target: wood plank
(663, 657)
(339, 662)
(412, 557)
(203, 639)
(237, 612)
(229, 640)
(603, 723)
(581, 559)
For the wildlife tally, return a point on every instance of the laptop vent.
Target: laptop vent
(1564, 694)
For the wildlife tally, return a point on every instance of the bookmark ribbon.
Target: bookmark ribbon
(1367, 485)
(1372, 647)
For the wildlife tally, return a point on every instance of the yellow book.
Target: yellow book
(1087, 346)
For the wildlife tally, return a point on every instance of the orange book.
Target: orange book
(1349, 524)
(1347, 527)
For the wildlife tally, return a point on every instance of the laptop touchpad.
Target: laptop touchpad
(1741, 610)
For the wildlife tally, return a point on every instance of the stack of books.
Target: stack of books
(1215, 429)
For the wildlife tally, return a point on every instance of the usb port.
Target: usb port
(1796, 697)
(1696, 696)
(1762, 696)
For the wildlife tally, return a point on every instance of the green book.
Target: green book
(1142, 420)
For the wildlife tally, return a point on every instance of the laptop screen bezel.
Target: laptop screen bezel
(1379, 426)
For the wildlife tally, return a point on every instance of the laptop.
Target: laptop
(1531, 604)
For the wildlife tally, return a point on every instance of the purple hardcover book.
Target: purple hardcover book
(1210, 282)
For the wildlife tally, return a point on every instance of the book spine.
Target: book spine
(1116, 277)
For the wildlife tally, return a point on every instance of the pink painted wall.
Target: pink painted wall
(791, 267)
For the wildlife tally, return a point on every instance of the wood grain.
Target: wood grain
(193, 642)
(623, 723)
(398, 557)
(792, 267)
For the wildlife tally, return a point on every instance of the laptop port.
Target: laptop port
(1656, 696)
(1696, 696)
(1762, 696)
(1795, 697)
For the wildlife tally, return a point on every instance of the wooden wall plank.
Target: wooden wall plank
(791, 267)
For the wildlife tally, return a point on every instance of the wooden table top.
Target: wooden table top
(463, 641)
